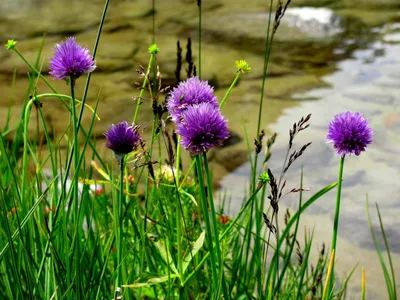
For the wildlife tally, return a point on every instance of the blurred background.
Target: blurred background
(328, 56)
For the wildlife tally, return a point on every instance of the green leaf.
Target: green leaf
(389, 285)
(165, 254)
(150, 282)
(310, 201)
(189, 195)
(196, 247)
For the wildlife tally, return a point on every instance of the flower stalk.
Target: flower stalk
(117, 208)
(336, 221)
(153, 51)
(242, 67)
(206, 216)
(75, 189)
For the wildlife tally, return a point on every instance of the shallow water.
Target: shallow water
(369, 83)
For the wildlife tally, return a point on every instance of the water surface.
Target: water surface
(369, 82)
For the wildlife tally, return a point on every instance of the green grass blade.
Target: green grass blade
(388, 253)
(389, 285)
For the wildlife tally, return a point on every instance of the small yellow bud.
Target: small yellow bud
(242, 66)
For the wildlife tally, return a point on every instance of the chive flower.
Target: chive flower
(70, 60)
(122, 138)
(189, 92)
(202, 127)
(349, 133)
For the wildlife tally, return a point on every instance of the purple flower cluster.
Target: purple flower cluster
(122, 138)
(70, 60)
(195, 110)
(202, 128)
(189, 92)
(350, 133)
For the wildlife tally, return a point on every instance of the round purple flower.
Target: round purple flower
(189, 92)
(350, 133)
(202, 127)
(70, 60)
(122, 138)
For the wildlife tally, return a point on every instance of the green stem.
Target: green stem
(227, 230)
(35, 70)
(177, 160)
(179, 215)
(75, 188)
(214, 222)
(147, 193)
(118, 224)
(207, 221)
(199, 67)
(211, 204)
(154, 22)
(96, 44)
(25, 151)
(230, 89)
(179, 242)
(268, 46)
(146, 77)
(336, 221)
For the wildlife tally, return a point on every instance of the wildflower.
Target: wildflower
(166, 172)
(99, 192)
(242, 66)
(202, 127)
(189, 92)
(224, 219)
(70, 60)
(350, 133)
(130, 179)
(153, 49)
(122, 138)
(11, 44)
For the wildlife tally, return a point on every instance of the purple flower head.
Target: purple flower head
(70, 60)
(202, 127)
(349, 132)
(122, 138)
(189, 92)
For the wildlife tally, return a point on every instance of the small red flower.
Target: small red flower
(224, 219)
(99, 191)
(130, 179)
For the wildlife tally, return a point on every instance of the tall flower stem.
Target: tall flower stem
(177, 160)
(146, 78)
(268, 46)
(336, 220)
(117, 208)
(230, 89)
(179, 215)
(147, 193)
(199, 66)
(214, 220)
(206, 216)
(75, 187)
(96, 44)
